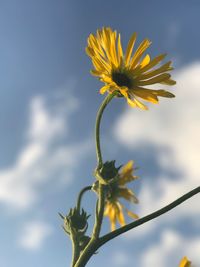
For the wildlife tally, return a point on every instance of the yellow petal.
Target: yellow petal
(158, 79)
(124, 91)
(163, 93)
(114, 50)
(120, 51)
(120, 215)
(169, 82)
(89, 51)
(146, 95)
(151, 64)
(113, 217)
(107, 209)
(140, 104)
(100, 65)
(126, 174)
(113, 225)
(132, 215)
(130, 48)
(124, 179)
(185, 262)
(104, 89)
(128, 195)
(128, 167)
(131, 103)
(164, 68)
(145, 61)
(106, 78)
(96, 73)
(139, 52)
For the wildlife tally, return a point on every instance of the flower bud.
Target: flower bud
(76, 222)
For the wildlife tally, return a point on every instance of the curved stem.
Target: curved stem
(105, 102)
(91, 247)
(85, 189)
(104, 239)
(100, 203)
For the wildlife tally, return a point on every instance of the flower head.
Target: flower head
(127, 74)
(116, 190)
(185, 262)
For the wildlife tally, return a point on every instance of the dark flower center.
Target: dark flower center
(121, 79)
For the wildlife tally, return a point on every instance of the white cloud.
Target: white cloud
(170, 249)
(44, 125)
(41, 157)
(33, 235)
(173, 124)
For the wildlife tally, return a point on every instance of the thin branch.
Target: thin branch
(104, 239)
(84, 190)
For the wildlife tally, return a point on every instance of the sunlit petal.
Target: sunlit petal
(126, 72)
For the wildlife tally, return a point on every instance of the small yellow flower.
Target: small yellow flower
(125, 73)
(185, 262)
(113, 207)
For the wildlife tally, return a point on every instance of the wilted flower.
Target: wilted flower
(116, 190)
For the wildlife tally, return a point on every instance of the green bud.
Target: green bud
(75, 222)
(109, 171)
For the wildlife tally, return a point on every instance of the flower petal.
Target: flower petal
(164, 68)
(130, 48)
(131, 214)
(151, 64)
(120, 51)
(145, 61)
(185, 262)
(146, 95)
(139, 52)
(120, 215)
(140, 104)
(104, 89)
(127, 194)
(163, 93)
(131, 102)
(157, 79)
(169, 82)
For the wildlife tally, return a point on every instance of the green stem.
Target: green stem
(104, 239)
(75, 250)
(99, 213)
(105, 102)
(91, 247)
(100, 204)
(85, 189)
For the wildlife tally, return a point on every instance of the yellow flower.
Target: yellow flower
(125, 73)
(113, 207)
(185, 262)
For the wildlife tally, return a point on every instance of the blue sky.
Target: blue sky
(48, 104)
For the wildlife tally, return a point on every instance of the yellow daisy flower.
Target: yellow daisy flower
(185, 262)
(127, 73)
(113, 207)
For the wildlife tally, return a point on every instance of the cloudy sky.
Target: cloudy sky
(48, 104)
